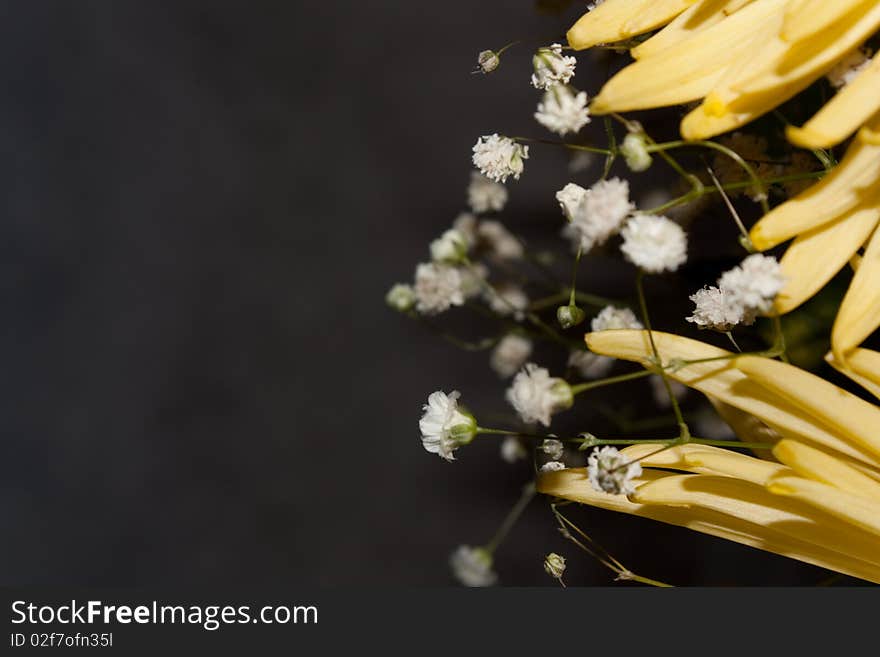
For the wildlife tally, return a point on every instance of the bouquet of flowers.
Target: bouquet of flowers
(780, 128)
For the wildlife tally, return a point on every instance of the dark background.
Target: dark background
(204, 204)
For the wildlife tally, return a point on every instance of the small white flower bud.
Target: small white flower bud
(487, 61)
(401, 297)
(569, 316)
(553, 448)
(554, 565)
(634, 150)
(451, 247)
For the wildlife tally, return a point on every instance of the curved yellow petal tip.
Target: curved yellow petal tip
(806, 138)
(779, 487)
(758, 239)
(600, 105)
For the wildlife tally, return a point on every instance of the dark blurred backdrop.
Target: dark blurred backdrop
(204, 204)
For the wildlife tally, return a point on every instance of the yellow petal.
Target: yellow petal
(816, 464)
(853, 509)
(752, 503)
(686, 70)
(746, 426)
(572, 485)
(852, 417)
(698, 17)
(850, 185)
(804, 18)
(862, 366)
(777, 71)
(614, 20)
(841, 116)
(722, 380)
(818, 254)
(705, 459)
(859, 313)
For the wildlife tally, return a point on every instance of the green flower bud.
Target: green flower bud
(569, 316)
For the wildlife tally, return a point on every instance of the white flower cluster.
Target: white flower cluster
(472, 566)
(437, 288)
(743, 293)
(552, 67)
(499, 157)
(485, 195)
(510, 354)
(512, 450)
(536, 395)
(444, 426)
(609, 471)
(562, 110)
(611, 317)
(508, 299)
(596, 213)
(552, 466)
(654, 244)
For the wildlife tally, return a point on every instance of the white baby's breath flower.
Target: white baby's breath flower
(634, 151)
(451, 247)
(581, 161)
(611, 472)
(596, 213)
(715, 309)
(552, 466)
(754, 283)
(445, 426)
(590, 365)
(653, 243)
(552, 67)
(437, 288)
(401, 297)
(485, 195)
(562, 111)
(554, 565)
(849, 68)
(553, 448)
(499, 157)
(500, 242)
(571, 198)
(536, 395)
(472, 566)
(510, 354)
(611, 317)
(661, 396)
(512, 450)
(508, 299)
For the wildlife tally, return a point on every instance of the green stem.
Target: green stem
(745, 166)
(573, 147)
(590, 385)
(684, 432)
(512, 516)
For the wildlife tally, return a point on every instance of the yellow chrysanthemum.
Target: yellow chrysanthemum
(741, 57)
(819, 503)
